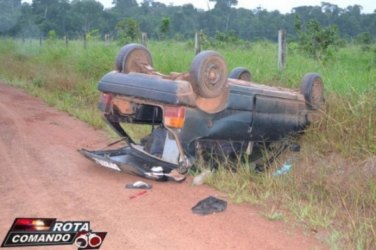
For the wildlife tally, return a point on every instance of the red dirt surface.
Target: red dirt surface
(43, 175)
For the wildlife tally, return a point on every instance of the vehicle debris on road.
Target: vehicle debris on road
(200, 179)
(137, 195)
(209, 205)
(283, 170)
(139, 185)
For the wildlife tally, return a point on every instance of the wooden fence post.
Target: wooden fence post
(144, 39)
(85, 40)
(107, 39)
(197, 43)
(281, 50)
(66, 41)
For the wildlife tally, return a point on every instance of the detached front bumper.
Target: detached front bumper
(134, 160)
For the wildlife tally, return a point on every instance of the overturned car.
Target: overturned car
(194, 111)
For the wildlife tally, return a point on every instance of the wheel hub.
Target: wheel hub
(213, 75)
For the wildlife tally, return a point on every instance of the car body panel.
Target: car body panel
(148, 87)
(253, 112)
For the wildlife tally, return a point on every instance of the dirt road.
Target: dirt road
(43, 175)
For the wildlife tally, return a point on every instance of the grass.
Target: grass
(331, 189)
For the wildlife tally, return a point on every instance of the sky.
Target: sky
(282, 6)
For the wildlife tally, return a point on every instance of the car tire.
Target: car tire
(208, 74)
(240, 73)
(312, 88)
(133, 58)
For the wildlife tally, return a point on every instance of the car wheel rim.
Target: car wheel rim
(137, 61)
(213, 76)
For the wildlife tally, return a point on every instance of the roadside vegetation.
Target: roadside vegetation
(331, 189)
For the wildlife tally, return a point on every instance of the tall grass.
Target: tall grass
(63, 77)
(332, 186)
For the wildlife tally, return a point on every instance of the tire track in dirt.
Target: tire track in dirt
(43, 175)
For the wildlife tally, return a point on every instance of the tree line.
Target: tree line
(75, 18)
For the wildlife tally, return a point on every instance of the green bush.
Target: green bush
(128, 30)
(319, 42)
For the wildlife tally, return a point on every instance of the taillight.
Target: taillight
(105, 102)
(174, 116)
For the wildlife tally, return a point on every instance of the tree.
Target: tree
(329, 8)
(145, 5)
(221, 14)
(127, 30)
(184, 21)
(10, 12)
(224, 4)
(124, 4)
(51, 15)
(318, 41)
(75, 17)
(125, 8)
(365, 39)
(26, 26)
(86, 15)
(164, 27)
